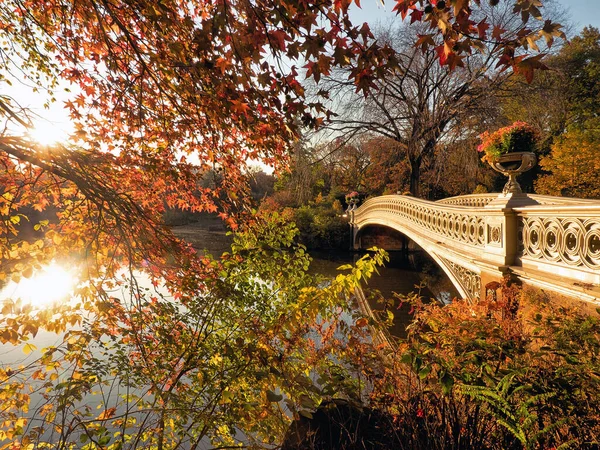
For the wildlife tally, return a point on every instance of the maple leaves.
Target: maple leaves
(165, 93)
(461, 34)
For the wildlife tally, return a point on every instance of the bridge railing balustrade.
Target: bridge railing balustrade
(561, 239)
(458, 223)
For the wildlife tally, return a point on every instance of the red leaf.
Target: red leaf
(425, 41)
(416, 15)
(497, 33)
(482, 28)
(279, 36)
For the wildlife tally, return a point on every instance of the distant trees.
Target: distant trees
(573, 165)
(420, 105)
(413, 107)
(564, 103)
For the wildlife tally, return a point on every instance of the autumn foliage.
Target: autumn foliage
(160, 347)
(494, 375)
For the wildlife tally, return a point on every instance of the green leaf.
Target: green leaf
(305, 413)
(447, 382)
(424, 372)
(273, 397)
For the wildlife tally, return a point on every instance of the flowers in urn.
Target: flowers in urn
(352, 199)
(510, 151)
(518, 137)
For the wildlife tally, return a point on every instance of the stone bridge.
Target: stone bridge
(549, 242)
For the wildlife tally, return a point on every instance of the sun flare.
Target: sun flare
(52, 284)
(48, 133)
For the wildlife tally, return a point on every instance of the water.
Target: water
(400, 276)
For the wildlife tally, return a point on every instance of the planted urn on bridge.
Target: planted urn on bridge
(510, 151)
(352, 200)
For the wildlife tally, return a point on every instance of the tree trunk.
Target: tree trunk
(415, 176)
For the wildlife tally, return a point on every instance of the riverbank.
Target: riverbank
(207, 235)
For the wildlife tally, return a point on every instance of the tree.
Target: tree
(165, 92)
(562, 97)
(422, 103)
(372, 166)
(579, 65)
(261, 184)
(573, 166)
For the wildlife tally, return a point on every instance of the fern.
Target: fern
(512, 408)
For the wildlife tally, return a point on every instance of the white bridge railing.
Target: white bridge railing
(550, 241)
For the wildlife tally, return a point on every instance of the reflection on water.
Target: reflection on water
(399, 276)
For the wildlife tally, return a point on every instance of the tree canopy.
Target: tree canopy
(163, 92)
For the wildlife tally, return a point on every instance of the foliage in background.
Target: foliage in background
(572, 165)
(322, 223)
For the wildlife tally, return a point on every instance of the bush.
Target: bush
(519, 373)
(321, 222)
(322, 227)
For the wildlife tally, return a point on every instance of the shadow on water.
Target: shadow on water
(404, 274)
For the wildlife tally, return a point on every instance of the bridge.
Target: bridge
(552, 243)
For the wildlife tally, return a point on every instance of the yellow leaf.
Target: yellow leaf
(28, 348)
(28, 272)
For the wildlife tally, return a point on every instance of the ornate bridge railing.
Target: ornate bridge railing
(552, 242)
(460, 224)
(562, 239)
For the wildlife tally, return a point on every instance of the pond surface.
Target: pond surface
(399, 277)
(402, 275)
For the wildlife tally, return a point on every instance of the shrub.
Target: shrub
(520, 373)
(322, 227)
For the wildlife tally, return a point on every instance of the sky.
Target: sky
(582, 12)
(53, 124)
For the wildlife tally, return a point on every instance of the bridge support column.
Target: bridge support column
(490, 285)
(501, 240)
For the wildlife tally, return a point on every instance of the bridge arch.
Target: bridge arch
(467, 287)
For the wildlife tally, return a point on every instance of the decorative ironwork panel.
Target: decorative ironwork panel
(495, 235)
(570, 240)
(468, 279)
(445, 221)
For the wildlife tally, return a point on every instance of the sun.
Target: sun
(50, 285)
(47, 133)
